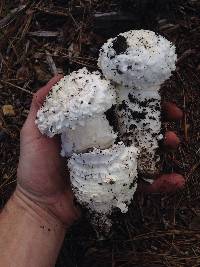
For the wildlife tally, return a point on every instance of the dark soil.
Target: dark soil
(46, 37)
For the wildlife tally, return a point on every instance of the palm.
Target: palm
(40, 155)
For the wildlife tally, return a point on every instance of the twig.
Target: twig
(51, 63)
(192, 169)
(1, 62)
(18, 87)
(2, 3)
(52, 12)
(6, 184)
(44, 34)
(11, 16)
(27, 25)
(108, 14)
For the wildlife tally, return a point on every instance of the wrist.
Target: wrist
(58, 207)
(27, 232)
(38, 212)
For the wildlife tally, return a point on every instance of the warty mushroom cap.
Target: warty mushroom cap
(138, 58)
(73, 100)
(104, 179)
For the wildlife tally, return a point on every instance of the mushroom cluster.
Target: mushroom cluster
(103, 172)
(103, 164)
(138, 62)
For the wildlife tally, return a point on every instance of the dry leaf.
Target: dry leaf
(8, 110)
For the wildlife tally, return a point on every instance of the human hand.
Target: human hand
(41, 174)
(167, 182)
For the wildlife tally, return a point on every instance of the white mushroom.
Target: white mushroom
(104, 179)
(101, 179)
(139, 62)
(95, 133)
(75, 107)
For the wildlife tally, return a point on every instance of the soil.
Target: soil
(40, 38)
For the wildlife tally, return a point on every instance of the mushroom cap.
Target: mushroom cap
(95, 133)
(73, 100)
(138, 58)
(105, 179)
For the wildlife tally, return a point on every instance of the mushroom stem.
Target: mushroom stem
(96, 132)
(139, 124)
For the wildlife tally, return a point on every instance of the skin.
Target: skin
(165, 183)
(34, 221)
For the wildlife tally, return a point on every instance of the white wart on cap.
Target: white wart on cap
(138, 58)
(104, 179)
(75, 99)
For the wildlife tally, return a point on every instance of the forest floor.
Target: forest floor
(41, 38)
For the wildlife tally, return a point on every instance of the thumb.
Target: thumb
(37, 102)
(40, 95)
